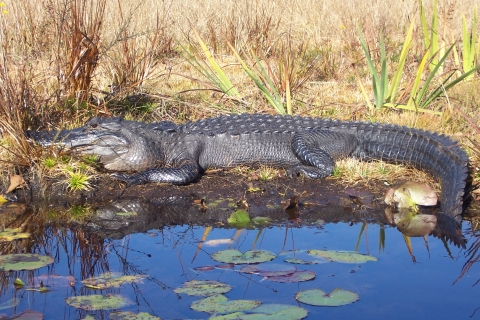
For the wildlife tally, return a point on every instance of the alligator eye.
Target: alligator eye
(93, 125)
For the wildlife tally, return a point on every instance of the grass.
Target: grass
(65, 61)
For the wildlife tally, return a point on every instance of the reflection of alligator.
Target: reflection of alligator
(166, 152)
(126, 216)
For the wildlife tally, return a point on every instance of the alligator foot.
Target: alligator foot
(130, 179)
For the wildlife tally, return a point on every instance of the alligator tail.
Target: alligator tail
(435, 153)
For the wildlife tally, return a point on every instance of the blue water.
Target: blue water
(393, 287)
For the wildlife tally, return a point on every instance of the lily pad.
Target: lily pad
(267, 311)
(23, 261)
(99, 302)
(128, 315)
(110, 279)
(297, 276)
(236, 257)
(13, 234)
(270, 269)
(300, 257)
(218, 303)
(317, 297)
(203, 288)
(342, 256)
(275, 312)
(239, 218)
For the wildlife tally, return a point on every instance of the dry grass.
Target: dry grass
(62, 61)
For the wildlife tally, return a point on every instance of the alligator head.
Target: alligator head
(119, 144)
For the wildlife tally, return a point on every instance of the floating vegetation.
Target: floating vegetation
(269, 269)
(297, 276)
(267, 312)
(236, 257)
(239, 218)
(110, 279)
(24, 261)
(13, 234)
(336, 298)
(128, 315)
(203, 288)
(220, 304)
(342, 256)
(99, 302)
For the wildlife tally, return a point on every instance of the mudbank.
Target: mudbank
(178, 154)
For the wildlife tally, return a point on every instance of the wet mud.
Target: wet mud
(113, 211)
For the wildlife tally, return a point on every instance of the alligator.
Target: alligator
(141, 152)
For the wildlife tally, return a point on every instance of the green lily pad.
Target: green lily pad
(269, 269)
(110, 279)
(317, 297)
(297, 276)
(99, 302)
(239, 218)
(203, 288)
(300, 257)
(23, 261)
(218, 303)
(234, 316)
(13, 234)
(267, 311)
(275, 312)
(342, 256)
(128, 315)
(236, 257)
(300, 261)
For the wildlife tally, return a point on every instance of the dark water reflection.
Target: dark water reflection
(163, 242)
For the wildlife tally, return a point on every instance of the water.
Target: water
(437, 280)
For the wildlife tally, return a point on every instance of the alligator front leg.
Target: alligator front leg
(318, 149)
(185, 172)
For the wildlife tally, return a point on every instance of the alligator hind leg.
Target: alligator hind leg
(317, 150)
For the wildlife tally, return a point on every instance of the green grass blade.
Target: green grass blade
(467, 47)
(278, 106)
(364, 92)
(434, 36)
(413, 101)
(224, 83)
(423, 21)
(383, 73)
(397, 77)
(373, 72)
(432, 75)
(442, 88)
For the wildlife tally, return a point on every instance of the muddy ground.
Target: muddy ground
(113, 211)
